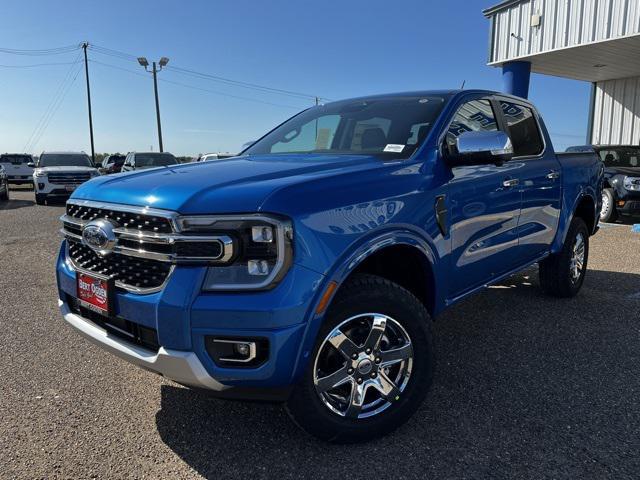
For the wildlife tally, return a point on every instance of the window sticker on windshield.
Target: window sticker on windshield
(322, 140)
(393, 147)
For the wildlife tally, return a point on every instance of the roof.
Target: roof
(487, 12)
(62, 152)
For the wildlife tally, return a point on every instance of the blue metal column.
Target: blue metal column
(515, 78)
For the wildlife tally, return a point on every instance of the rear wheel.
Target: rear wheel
(371, 367)
(608, 212)
(562, 274)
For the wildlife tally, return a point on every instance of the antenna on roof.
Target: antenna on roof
(463, 82)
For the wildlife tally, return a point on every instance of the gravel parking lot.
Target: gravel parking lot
(526, 387)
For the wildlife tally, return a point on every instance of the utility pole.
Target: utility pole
(86, 72)
(154, 69)
(155, 89)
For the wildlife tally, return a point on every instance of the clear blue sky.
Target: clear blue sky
(334, 49)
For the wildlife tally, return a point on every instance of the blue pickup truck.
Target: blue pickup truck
(307, 269)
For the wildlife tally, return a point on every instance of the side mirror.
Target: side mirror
(482, 148)
(31, 165)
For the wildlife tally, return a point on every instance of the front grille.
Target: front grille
(68, 178)
(145, 248)
(129, 271)
(119, 327)
(131, 220)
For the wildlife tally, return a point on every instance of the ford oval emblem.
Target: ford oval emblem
(99, 236)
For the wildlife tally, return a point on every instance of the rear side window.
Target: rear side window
(523, 129)
(473, 116)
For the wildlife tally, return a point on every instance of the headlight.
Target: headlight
(40, 173)
(632, 183)
(262, 250)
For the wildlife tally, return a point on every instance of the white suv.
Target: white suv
(57, 174)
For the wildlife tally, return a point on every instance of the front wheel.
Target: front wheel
(41, 199)
(5, 195)
(608, 212)
(371, 367)
(562, 273)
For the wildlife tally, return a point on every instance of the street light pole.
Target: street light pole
(86, 72)
(154, 70)
(155, 89)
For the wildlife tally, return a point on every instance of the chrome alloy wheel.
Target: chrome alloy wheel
(577, 258)
(363, 365)
(606, 206)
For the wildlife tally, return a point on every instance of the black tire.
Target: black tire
(556, 274)
(360, 295)
(609, 213)
(41, 199)
(5, 195)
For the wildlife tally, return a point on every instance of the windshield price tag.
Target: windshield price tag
(393, 147)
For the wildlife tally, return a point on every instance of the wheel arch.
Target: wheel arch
(369, 255)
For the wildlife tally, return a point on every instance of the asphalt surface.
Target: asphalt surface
(526, 387)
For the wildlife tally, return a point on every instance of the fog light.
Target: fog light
(243, 349)
(40, 186)
(258, 267)
(621, 203)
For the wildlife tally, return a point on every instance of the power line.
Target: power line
(206, 76)
(40, 52)
(55, 109)
(238, 83)
(37, 65)
(197, 88)
(43, 119)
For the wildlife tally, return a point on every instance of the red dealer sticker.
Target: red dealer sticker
(93, 293)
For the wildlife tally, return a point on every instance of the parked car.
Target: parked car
(16, 165)
(145, 160)
(214, 156)
(58, 174)
(112, 164)
(4, 184)
(308, 269)
(621, 194)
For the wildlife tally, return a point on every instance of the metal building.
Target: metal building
(597, 41)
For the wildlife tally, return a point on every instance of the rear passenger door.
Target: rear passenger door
(540, 179)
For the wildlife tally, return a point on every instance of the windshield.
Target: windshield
(388, 127)
(15, 159)
(64, 160)
(155, 159)
(620, 156)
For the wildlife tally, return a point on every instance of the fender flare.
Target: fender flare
(405, 235)
(563, 228)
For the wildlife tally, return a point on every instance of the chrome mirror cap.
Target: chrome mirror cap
(496, 144)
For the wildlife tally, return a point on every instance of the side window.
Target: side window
(523, 129)
(473, 116)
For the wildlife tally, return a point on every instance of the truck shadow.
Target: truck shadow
(15, 204)
(525, 384)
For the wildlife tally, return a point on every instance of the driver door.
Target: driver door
(485, 205)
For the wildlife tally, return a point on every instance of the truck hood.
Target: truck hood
(235, 185)
(70, 169)
(629, 171)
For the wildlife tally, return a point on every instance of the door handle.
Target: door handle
(512, 182)
(553, 174)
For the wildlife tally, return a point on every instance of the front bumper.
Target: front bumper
(179, 366)
(184, 316)
(631, 207)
